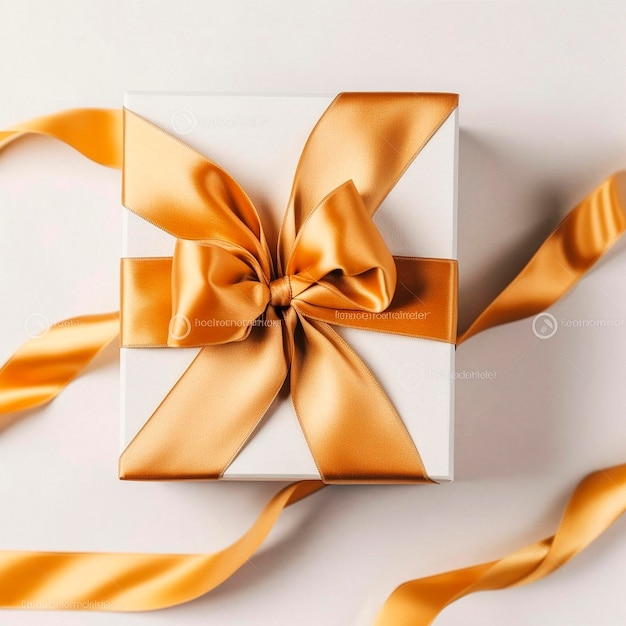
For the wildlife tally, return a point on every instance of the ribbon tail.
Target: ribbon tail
(95, 133)
(595, 504)
(580, 240)
(132, 582)
(353, 430)
(212, 411)
(41, 368)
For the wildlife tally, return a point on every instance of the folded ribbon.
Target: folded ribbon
(258, 322)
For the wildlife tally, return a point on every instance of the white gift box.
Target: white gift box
(258, 140)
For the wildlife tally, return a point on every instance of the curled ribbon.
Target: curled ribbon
(37, 372)
(331, 258)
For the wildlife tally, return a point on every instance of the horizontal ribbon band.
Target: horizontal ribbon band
(423, 305)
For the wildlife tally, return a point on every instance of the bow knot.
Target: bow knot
(280, 292)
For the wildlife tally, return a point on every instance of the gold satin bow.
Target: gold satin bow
(257, 325)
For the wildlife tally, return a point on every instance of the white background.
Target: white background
(543, 98)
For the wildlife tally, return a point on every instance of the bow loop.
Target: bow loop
(218, 291)
(194, 199)
(341, 257)
(339, 260)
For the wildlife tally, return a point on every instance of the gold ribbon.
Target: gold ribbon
(109, 581)
(583, 237)
(331, 259)
(40, 369)
(83, 581)
(95, 133)
(595, 504)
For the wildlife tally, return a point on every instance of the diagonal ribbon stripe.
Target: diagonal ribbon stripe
(137, 582)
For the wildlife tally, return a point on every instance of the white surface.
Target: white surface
(259, 139)
(542, 100)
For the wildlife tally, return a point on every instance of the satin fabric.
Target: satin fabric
(102, 581)
(95, 133)
(585, 235)
(84, 581)
(595, 504)
(44, 365)
(331, 260)
(146, 293)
